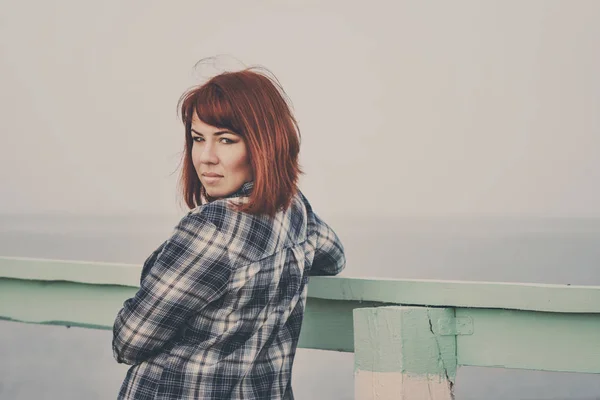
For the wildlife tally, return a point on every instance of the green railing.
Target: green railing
(408, 336)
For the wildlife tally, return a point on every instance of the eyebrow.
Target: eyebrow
(217, 133)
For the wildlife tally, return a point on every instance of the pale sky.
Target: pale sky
(406, 107)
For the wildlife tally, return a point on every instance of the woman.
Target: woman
(220, 304)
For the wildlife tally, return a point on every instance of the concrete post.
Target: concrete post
(404, 353)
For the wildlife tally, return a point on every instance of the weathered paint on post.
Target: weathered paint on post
(401, 354)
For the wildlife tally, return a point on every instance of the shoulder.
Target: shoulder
(197, 227)
(216, 220)
(228, 223)
(251, 237)
(218, 213)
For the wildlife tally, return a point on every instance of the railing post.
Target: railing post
(404, 353)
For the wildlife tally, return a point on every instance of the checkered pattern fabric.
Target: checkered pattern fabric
(220, 304)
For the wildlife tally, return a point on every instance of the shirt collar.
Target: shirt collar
(244, 191)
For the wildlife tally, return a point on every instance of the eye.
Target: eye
(197, 138)
(227, 141)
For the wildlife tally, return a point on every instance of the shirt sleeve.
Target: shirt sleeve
(188, 271)
(330, 258)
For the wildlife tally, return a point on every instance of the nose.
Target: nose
(208, 154)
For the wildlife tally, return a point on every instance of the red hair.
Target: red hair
(254, 106)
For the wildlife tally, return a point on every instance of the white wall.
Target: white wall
(476, 107)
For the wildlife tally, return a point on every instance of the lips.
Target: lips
(211, 178)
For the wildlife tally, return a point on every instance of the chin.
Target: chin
(214, 193)
(218, 191)
(217, 194)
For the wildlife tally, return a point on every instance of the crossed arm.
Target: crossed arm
(188, 271)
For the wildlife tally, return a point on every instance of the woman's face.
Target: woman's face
(220, 158)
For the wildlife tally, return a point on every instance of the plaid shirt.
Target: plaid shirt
(220, 304)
